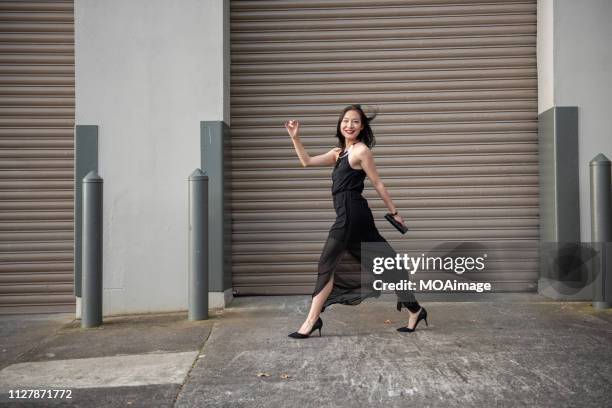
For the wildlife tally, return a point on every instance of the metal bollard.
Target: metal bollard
(91, 314)
(601, 229)
(198, 245)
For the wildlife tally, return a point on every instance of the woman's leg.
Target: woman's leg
(379, 247)
(315, 307)
(412, 317)
(331, 254)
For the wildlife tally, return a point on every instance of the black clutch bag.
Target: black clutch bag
(400, 227)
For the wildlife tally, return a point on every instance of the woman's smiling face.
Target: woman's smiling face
(351, 125)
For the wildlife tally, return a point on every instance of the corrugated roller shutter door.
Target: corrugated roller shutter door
(36, 156)
(456, 88)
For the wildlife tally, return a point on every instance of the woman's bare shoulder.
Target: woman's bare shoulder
(362, 149)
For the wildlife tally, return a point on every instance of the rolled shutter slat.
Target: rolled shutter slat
(502, 79)
(504, 248)
(455, 85)
(390, 21)
(254, 37)
(8, 279)
(38, 205)
(36, 156)
(407, 204)
(304, 69)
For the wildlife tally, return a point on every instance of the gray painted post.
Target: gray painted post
(91, 315)
(198, 245)
(601, 229)
(85, 160)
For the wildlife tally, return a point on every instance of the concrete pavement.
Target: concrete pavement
(520, 350)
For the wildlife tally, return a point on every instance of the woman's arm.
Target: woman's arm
(325, 159)
(366, 161)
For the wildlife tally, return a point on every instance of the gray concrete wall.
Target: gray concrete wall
(545, 55)
(583, 78)
(574, 66)
(147, 73)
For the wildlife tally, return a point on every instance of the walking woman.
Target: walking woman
(352, 161)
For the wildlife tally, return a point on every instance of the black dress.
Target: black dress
(341, 255)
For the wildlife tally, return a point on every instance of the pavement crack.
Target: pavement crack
(195, 360)
(458, 371)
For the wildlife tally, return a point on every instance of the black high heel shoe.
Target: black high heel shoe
(318, 325)
(422, 316)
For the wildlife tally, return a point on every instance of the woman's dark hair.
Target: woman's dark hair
(366, 135)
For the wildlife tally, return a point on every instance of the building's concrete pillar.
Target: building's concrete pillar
(574, 64)
(148, 72)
